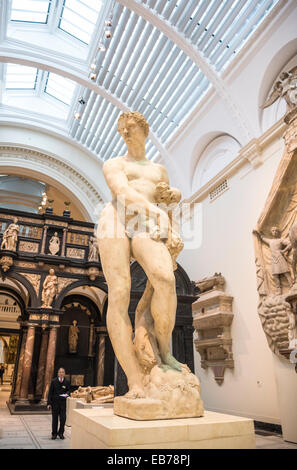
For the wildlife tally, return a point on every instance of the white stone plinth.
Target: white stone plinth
(101, 429)
(74, 403)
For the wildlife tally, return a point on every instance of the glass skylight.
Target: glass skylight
(31, 11)
(79, 17)
(20, 77)
(59, 87)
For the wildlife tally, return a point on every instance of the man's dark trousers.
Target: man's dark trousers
(58, 410)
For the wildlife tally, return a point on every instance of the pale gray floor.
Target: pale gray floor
(34, 431)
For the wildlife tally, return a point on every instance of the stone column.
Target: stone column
(27, 362)
(101, 357)
(64, 241)
(20, 365)
(50, 362)
(91, 339)
(42, 362)
(43, 240)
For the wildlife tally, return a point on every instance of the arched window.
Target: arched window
(215, 157)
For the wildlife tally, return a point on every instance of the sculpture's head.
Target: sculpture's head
(74, 322)
(133, 127)
(15, 220)
(52, 271)
(275, 231)
(56, 234)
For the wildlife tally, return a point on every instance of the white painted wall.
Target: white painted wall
(227, 247)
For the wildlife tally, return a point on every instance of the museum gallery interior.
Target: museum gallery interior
(148, 220)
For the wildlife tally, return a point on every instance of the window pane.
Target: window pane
(60, 88)
(20, 77)
(79, 17)
(33, 11)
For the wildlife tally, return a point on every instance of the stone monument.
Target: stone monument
(139, 224)
(276, 257)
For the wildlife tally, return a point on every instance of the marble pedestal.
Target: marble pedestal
(101, 429)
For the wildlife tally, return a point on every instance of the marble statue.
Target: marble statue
(73, 337)
(54, 244)
(49, 289)
(10, 236)
(285, 87)
(139, 224)
(93, 249)
(98, 394)
(279, 265)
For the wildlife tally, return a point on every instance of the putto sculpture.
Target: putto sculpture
(139, 224)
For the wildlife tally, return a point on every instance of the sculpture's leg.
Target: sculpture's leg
(289, 279)
(277, 281)
(156, 261)
(115, 260)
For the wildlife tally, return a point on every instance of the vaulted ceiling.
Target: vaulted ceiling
(72, 66)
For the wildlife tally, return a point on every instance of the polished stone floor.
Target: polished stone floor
(34, 431)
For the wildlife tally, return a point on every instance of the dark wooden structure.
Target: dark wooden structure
(43, 342)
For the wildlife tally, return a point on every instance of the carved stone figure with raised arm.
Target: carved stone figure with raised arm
(49, 289)
(73, 337)
(279, 265)
(134, 226)
(10, 236)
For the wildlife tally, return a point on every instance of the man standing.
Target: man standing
(58, 392)
(2, 370)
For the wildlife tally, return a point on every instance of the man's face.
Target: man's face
(131, 131)
(61, 373)
(275, 232)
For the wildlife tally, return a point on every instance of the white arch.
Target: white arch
(27, 162)
(221, 151)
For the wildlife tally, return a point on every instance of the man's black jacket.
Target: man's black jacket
(58, 388)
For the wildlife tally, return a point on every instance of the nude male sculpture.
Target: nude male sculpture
(137, 184)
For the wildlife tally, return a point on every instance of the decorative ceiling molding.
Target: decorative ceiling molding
(75, 182)
(245, 129)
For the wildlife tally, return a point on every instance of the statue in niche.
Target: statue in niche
(73, 337)
(49, 289)
(10, 236)
(139, 224)
(93, 249)
(279, 265)
(54, 244)
(285, 87)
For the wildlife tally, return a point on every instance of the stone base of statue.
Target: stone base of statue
(99, 428)
(169, 394)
